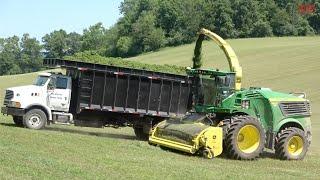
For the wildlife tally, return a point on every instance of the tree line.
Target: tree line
(148, 25)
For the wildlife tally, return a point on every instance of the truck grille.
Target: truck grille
(295, 108)
(8, 97)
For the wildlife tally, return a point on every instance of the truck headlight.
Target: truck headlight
(245, 104)
(14, 104)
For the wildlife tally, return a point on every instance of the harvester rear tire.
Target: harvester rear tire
(245, 138)
(291, 144)
(140, 134)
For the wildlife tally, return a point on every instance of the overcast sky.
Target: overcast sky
(39, 17)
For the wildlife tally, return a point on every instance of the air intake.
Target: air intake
(295, 108)
(253, 95)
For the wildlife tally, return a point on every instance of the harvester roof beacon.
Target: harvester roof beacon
(246, 120)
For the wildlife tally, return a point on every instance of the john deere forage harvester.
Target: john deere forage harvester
(252, 119)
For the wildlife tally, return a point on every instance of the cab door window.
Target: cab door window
(61, 83)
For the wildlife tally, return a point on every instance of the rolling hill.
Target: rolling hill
(283, 64)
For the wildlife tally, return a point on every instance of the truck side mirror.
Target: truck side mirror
(51, 84)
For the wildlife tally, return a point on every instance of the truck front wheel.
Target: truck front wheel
(35, 119)
(18, 120)
(291, 144)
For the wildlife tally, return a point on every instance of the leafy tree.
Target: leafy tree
(224, 25)
(94, 38)
(142, 28)
(261, 29)
(31, 59)
(154, 40)
(280, 24)
(189, 19)
(147, 37)
(132, 9)
(112, 36)
(303, 27)
(20, 55)
(55, 44)
(246, 14)
(9, 55)
(180, 19)
(124, 45)
(314, 19)
(208, 15)
(2, 44)
(74, 43)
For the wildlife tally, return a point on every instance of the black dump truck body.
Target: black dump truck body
(110, 90)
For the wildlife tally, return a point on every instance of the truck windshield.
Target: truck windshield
(41, 80)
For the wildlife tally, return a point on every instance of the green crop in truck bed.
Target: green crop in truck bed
(90, 57)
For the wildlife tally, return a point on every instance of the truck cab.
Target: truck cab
(37, 104)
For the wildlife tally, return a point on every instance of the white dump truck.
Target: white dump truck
(97, 95)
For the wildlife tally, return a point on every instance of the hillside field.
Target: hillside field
(290, 64)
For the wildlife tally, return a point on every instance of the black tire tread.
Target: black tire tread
(232, 125)
(18, 120)
(281, 140)
(138, 131)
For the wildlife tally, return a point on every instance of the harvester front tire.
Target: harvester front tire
(245, 138)
(291, 144)
(140, 134)
(18, 121)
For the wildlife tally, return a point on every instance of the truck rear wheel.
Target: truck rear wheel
(291, 144)
(245, 138)
(18, 120)
(35, 119)
(140, 134)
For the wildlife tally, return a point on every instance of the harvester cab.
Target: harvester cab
(211, 87)
(246, 120)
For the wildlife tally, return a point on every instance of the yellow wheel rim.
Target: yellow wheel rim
(295, 145)
(248, 139)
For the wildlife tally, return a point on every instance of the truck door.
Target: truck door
(59, 93)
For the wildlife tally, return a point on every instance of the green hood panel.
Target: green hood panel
(274, 96)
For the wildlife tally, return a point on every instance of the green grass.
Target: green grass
(285, 64)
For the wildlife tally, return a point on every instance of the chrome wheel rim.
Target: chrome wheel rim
(34, 120)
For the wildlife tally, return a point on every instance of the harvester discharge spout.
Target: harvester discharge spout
(231, 56)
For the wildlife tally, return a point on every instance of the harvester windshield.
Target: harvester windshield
(210, 87)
